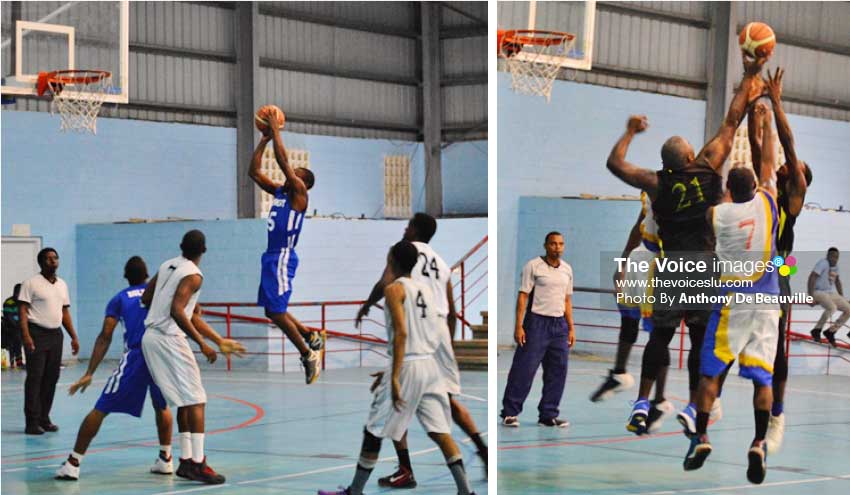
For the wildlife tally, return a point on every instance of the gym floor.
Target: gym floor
(266, 432)
(596, 455)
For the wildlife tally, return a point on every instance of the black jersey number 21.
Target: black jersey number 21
(682, 190)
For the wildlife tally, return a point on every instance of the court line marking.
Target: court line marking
(313, 471)
(744, 487)
(198, 489)
(259, 413)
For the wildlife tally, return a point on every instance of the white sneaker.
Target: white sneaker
(716, 413)
(312, 366)
(161, 466)
(775, 433)
(68, 472)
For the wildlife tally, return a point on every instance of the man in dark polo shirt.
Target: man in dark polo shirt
(44, 303)
(544, 334)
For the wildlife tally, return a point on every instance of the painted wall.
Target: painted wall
(339, 260)
(133, 169)
(52, 180)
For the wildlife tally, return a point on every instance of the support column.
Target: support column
(723, 66)
(247, 75)
(432, 107)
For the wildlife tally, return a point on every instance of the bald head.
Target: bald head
(676, 153)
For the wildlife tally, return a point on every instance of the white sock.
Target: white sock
(77, 457)
(185, 445)
(165, 449)
(198, 447)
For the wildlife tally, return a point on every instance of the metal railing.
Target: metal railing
(229, 317)
(473, 263)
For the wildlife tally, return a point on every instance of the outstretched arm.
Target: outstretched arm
(374, 296)
(767, 172)
(796, 186)
(101, 345)
(631, 174)
(296, 186)
(255, 171)
(754, 137)
(717, 149)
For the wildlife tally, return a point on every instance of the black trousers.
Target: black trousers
(42, 373)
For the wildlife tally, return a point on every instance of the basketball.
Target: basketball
(757, 40)
(262, 117)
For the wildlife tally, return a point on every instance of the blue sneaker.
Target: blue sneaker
(697, 453)
(687, 417)
(637, 420)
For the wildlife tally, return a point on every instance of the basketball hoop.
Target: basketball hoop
(77, 94)
(530, 56)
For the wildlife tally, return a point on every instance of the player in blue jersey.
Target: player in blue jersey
(128, 385)
(280, 261)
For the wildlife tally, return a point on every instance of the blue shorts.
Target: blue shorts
(126, 388)
(277, 273)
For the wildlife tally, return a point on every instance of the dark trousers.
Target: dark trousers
(42, 373)
(546, 342)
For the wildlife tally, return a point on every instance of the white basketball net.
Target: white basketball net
(78, 103)
(534, 68)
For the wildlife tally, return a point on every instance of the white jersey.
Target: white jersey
(423, 324)
(746, 234)
(432, 271)
(167, 279)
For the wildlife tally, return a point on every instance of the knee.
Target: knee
(628, 329)
(371, 443)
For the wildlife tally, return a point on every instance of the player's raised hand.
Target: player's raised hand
(398, 403)
(753, 66)
(209, 352)
(637, 124)
(378, 376)
(80, 385)
(230, 346)
(774, 84)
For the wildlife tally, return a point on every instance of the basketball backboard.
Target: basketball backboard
(49, 36)
(577, 18)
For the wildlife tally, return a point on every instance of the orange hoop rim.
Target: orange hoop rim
(534, 37)
(69, 76)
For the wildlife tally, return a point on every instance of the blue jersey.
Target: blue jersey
(127, 307)
(284, 223)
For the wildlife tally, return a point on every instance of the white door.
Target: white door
(18, 261)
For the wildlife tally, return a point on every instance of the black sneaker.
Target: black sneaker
(607, 389)
(698, 452)
(200, 471)
(402, 478)
(815, 335)
(183, 468)
(757, 462)
(554, 423)
(830, 336)
(510, 421)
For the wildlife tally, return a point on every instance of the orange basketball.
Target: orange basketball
(757, 40)
(262, 118)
